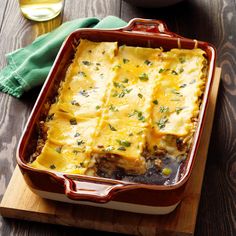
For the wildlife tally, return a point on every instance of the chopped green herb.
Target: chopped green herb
(162, 122)
(148, 63)
(124, 143)
(87, 63)
(143, 77)
(121, 148)
(112, 128)
(115, 94)
(139, 115)
(161, 70)
(173, 72)
(140, 95)
(84, 93)
(118, 85)
(178, 110)
(76, 152)
(50, 117)
(124, 92)
(125, 60)
(164, 109)
(103, 52)
(176, 92)
(140, 132)
(73, 121)
(52, 166)
(116, 67)
(80, 142)
(82, 164)
(58, 149)
(113, 108)
(182, 60)
(81, 73)
(125, 80)
(131, 134)
(109, 149)
(166, 171)
(183, 85)
(155, 102)
(75, 103)
(77, 134)
(77, 166)
(98, 64)
(181, 70)
(98, 107)
(97, 68)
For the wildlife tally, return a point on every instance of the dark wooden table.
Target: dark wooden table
(212, 21)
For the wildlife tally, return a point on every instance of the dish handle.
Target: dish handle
(150, 26)
(86, 189)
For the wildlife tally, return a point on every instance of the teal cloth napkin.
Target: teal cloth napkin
(28, 67)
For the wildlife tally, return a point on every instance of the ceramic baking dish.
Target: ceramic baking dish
(102, 192)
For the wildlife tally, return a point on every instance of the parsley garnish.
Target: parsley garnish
(50, 117)
(181, 70)
(164, 109)
(161, 70)
(182, 60)
(148, 63)
(183, 85)
(84, 93)
(140, 95)
(113, 108)
(87, 63)
(112, 128)
(123, 143)
(118, 85)
(125, 60)
(162, 122)
(143, 77)
(155, 102)
(52, 166)
(73, 121)
(178, 110)
(109, 148)
(80, 142)
(139, 115)
(58, 149)
(121, 148)
(81, 73)
(75, 103)
(77, 134)
(98, 107)
(125, 80)
(173, 72)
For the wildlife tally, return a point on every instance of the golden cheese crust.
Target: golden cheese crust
(122, 103)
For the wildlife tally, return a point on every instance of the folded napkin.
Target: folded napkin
(28, 67)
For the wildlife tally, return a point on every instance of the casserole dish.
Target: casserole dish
(106, 192)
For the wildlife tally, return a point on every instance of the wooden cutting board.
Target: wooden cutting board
(19, 202)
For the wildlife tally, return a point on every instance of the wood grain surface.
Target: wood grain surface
(19, 202)
(212, 21)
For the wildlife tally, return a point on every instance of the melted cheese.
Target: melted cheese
(118, 101)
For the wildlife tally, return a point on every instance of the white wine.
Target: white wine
(41, 10)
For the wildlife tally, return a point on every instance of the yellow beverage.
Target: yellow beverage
(41, 10)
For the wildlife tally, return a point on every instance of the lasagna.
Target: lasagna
(122, 108)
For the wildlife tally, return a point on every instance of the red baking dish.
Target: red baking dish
(102, 192)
